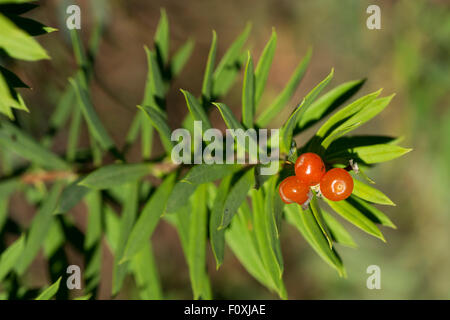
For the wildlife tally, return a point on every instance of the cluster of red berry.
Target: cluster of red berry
(335, 184)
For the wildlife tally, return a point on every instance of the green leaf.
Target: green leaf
(197, 242)
(227, 65)
(146, 273)
(369, 193)
(179, 196)
(50, 292)
(228, 116)
(15, 140)
(248, 94)
(158, 119)
(264, 236)
(94, 225)
(236, 197)
(181, 57)
(196, 109)
(263, 67)
(127, 219)
(155, 78)
(317, 212)
(273, 211)
(304, 221)
(337, 231)
(39, 228)
(54, 240)
(288, 129)
(115, 175)
(162, 38)
(208, 77)
(149, 218)
(30, 26)
(364, 114)
(371, 212)
(10, 256)
(96, 127)
(204, 173)
(19, 44)
(346, 113)
(278, 104)
(329, 102)
(354, 216)
(370, 154)
(70, 197)
(74, 133)
(241, 240)
(217, 237)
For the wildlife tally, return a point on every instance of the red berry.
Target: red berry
(336, 184)
(309, 168)
(293, 190)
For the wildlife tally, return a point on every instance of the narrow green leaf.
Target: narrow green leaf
(217, 237)
(282, 99)
(39, 228)
(236, 197)
(179, 196)
(317, 212)
(353, 215)
(288, 129)
(15, 140)
(70, 197)
(197, 242)
(369, 193)
(204, 173)
(54, 240)
(346, 113)
(240, 239)
(337, 231)
(304, 221)
(248, 94)
(146, 273)
(74, 133)
(328, 103)
(156, 80)
(227, 65)
(127, 219)
(371, 212)
(96, 127)
(196, 109)
(148, 219)
(50, 292)
(181, 57)
(264, 235)
(208, 77)
(273, 211)
(94, 225)
(10, 256)
(263, 67)
(369, 154)
(18, 44)
(162, 38)
(115, 175)
(158, 119)
(228, 116)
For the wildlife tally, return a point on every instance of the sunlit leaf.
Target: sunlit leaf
(50, 292)
(208, 77)
(369, 193)
(282, 99)
(263, 67)
(353, 215)
(248, 94)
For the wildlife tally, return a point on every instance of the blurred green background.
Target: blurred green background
(410, 56)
